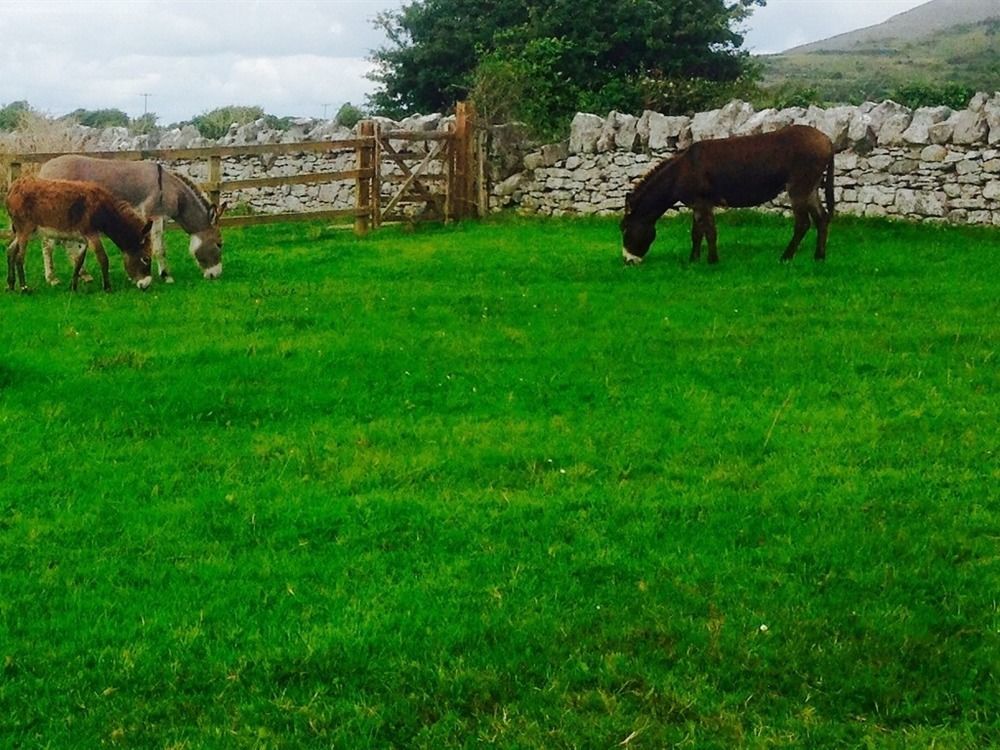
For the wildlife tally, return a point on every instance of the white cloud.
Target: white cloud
(290, 57)
(783, 24)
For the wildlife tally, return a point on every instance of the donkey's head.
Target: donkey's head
(638, 233)
(206, 245)
(138, 259)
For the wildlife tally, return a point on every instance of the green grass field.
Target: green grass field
(482, 485)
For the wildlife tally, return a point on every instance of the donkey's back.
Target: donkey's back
(69, 207)
(750, 170)
(135, 182)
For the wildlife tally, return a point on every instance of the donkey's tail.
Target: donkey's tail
(828, 185)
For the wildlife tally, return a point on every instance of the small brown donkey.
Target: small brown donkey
(735, 172)
(72, 208)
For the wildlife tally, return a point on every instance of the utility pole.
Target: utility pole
(145, 103)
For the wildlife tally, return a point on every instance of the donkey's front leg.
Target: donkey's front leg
(85, 276)
(159, 251)
(102, 261)
(77, 267)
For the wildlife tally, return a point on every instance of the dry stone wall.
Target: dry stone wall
(931, 163)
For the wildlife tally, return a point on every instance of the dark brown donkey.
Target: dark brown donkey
(735, 172)
(77, 209)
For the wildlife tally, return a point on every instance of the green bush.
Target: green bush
(348, 115)
(215, 123)
(680, 96)
(921, 94)
(12, 114)
(100, 118)
(527, 84)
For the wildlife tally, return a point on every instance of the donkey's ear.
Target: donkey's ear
(215, 212)
(147, 227)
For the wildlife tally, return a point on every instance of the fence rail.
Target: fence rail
(378, 163)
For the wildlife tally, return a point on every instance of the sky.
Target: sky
(301, 58)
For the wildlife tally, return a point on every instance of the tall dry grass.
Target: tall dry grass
(35, 134)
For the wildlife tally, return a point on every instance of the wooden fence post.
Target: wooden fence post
(366, 167)
(482, 180)
(462, 176)
(215, 179)
(376, 197)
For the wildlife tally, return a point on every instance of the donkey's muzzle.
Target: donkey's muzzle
(144, 283)
(630, 260)
(214, 272)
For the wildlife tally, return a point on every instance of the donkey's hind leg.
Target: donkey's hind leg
(159, 251)
(12, 251)
(711, 236)
(50, 273)
(20, 250)
(801, 227)
(821, 218)
(697, 233)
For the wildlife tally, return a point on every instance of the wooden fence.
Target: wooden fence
(390, 173)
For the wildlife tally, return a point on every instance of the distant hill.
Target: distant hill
(942, 43)
(925, 20)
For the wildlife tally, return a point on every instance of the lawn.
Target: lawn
(483, 485)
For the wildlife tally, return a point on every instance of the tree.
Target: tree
(215, 123)
(100, 118)
(144, 124)
(348, 115)
(581, 51)
(11, 115)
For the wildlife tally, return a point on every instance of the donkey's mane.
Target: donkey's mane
(202, 198)
(648, 179)
(652, 175)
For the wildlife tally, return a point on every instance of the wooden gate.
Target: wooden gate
(423, 176)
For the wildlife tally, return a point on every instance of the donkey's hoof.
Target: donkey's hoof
(25, 289)
(54, 281)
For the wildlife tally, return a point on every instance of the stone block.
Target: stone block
(919, 203)
(662, 131)
(585, 130)
(918, 133)
(933, 154)
(969, 127)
